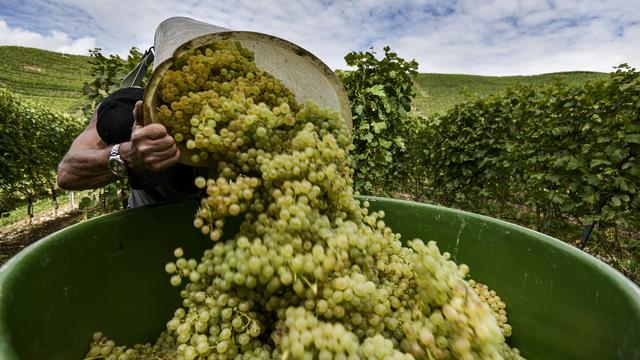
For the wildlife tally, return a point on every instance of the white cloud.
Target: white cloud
(54, 41)
(506, 38)
(492, 37)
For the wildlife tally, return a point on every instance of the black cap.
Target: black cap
(115, 115)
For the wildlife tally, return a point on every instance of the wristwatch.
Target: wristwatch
(116, 164)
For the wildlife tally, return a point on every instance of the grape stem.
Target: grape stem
(314, 286)
(249, 320)
(429, 354)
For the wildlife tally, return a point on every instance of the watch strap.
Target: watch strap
(115, 150)
(116, 164)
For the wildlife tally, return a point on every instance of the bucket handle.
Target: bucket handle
(134, 78)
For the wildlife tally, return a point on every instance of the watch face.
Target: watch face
(117, 166)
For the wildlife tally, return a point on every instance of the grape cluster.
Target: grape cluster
(215, 98)
(103, 348)
(312, 272)
(498, 307)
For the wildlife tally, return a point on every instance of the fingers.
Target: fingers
(162, 163)
(153, 146)
(148, 146)
(138, 115)
(156, 157)
(151, 131)
(159, 156)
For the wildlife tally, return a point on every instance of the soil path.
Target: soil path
(19, 235)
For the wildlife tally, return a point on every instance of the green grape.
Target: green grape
(312, 273)
(200, 182)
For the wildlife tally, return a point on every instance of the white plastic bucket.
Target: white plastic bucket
(300, 71)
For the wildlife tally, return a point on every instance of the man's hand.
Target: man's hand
(151, 147)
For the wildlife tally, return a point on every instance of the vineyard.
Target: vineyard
(33, 141)
(560, 158)
(557, 153)
(294, 246)
(437, 93)
(51, 79)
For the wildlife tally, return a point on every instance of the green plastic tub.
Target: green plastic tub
(107, 274)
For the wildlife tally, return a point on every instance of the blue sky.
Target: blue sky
(488, 37)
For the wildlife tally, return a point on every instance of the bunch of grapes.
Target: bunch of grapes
(312, 273)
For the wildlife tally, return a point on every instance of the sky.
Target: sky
(483, 37)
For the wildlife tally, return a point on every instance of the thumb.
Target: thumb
(138, 116)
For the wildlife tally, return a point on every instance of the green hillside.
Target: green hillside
(439, 92)
(55, 80)
(49, 78)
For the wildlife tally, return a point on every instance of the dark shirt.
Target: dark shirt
(174, 183)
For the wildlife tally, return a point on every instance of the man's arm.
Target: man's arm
(85, 166)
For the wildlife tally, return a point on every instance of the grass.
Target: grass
(52, 79)
(436, 93)
(40, 206)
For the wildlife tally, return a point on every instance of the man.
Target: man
(116, 143)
